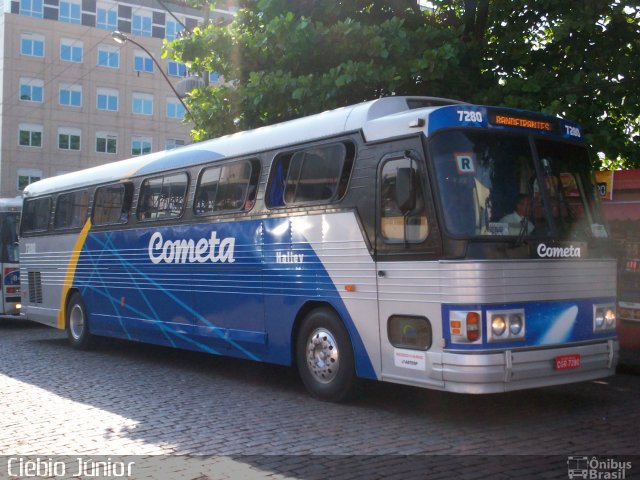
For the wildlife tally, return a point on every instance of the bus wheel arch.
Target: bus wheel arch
(77, 322)
(324, 353)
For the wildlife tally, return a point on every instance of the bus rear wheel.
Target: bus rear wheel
(324, 357)
(78, 331)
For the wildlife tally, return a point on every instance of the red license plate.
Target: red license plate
(566, 362)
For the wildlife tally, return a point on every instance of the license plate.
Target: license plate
(566, 362)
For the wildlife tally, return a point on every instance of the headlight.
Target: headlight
(506, 325)
(515, 324)
(610, 317)
(604, 318)
(498, 325)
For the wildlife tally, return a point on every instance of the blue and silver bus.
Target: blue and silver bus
(9, 257)
(414, 240)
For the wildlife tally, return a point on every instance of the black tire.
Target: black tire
(324, 356)
(78, 331)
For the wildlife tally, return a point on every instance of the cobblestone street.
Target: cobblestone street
(257, 421)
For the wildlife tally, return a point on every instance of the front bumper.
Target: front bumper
(509, 370)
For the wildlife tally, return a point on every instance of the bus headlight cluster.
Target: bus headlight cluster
(505, 325)
(604, 318)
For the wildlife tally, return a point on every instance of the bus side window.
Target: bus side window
(395, 225)
(36, 215)
(227, 188)
(112, 204)
(71, 210)
(162, 197)
(316, 175)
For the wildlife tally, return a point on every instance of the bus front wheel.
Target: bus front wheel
(78, 323)
(324, 356)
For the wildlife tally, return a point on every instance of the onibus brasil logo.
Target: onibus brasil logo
(596, 468)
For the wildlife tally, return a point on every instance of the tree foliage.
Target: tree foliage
(287, 58)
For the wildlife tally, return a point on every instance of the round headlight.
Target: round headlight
(599, 317)
(515, 324)
(610, 317)
(498, 325)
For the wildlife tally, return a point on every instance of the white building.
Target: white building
(72, 98)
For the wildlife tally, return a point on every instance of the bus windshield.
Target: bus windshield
(9, 251)
(490, 186)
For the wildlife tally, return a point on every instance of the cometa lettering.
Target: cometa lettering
(210, 249)
(558, 252)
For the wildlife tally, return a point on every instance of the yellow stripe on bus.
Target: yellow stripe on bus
(71, 271)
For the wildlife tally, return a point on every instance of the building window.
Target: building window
(140, 145)
(141, 24)
(30, 135)
(27, 176)
(142, 104)
(172, 29)
(176, 69)
(172, 143)
(142, 62)
(70, 12)
(70, 95)
(107, 16)
(107, 99)
(69, 138)
(175, 109)
(31, 90)
(108, 56)
(31, 8)
(71, 50)
(32, 45)
(106, 142)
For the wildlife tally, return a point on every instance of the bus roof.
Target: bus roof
(322, 125)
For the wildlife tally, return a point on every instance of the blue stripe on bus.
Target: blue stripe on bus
(242, 304)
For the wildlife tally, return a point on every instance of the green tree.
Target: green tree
(289, 58)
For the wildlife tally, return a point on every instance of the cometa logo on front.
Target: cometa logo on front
(210, 249)
(545, 251)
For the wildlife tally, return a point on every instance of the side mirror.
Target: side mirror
(405, 190)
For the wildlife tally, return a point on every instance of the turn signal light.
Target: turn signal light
(473, 326)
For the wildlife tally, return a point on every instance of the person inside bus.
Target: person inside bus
(519, 217)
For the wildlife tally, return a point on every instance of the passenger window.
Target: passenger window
(316, 175)
(226, 188)
(396, 226)
(163, 197)
(112, 204)
(35, 217)
(71, 210)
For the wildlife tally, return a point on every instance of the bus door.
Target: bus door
(407, 242)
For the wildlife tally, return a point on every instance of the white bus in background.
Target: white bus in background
(9, 256)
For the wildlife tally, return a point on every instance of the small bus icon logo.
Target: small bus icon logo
(578, 467)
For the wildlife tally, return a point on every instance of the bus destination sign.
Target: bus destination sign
(521, 121)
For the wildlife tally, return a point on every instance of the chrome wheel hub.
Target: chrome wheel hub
(322, 355)
(76, 322)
